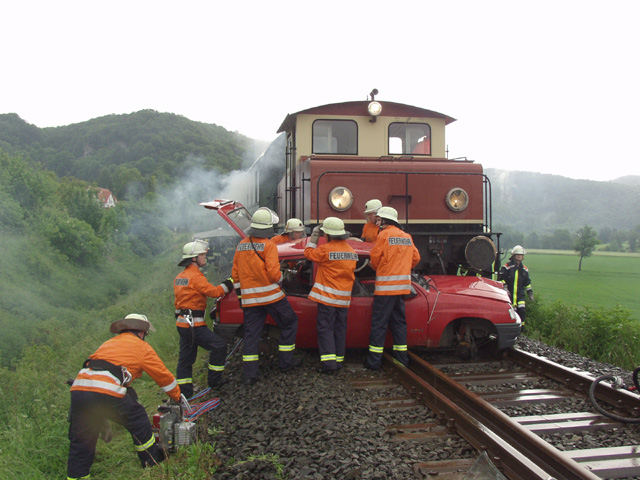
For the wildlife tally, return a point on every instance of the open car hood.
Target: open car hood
(232, 212)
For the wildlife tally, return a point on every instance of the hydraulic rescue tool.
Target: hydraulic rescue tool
(172, 427)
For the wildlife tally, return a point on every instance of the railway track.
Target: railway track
(473, 405)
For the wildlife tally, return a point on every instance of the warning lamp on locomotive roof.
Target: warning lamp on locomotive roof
(374, 108)
(457, 199)
(340, 199)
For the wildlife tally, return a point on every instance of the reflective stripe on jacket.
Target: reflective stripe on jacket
(257, 271)
(393, 257)
(335, 276)
(137, 356)
(517, 280)
(191, 289)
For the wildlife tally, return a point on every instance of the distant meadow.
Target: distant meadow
(607, 279)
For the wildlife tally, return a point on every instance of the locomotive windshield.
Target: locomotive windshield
(409, 139)
(335, 136)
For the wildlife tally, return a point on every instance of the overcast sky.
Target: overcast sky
(545, 86)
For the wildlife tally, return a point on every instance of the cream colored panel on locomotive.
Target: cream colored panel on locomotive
(372, 137)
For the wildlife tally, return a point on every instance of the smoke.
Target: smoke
(178, 205)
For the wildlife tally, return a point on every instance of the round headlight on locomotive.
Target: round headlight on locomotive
(374, 109)
(340, 199)
(457, 199)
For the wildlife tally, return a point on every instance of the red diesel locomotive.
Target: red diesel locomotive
(338, 157)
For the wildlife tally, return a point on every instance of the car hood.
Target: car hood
(469, 286)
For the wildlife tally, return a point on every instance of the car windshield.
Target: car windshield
(241, 217)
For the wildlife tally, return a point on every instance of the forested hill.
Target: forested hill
(115, 151)
(535, 202)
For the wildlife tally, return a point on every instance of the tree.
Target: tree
(585, 244)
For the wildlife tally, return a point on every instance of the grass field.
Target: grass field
(606, 279)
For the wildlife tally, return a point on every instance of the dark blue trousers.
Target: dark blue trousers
(88, 413)
(254, 318)
(190, 340)
(388, 313)
(332, 335)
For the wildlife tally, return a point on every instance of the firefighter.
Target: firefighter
(371, 228)
(514, 275)
(102, 391)
(336, 262)
(191, 289)
(293, 230)
(392, 257)
(256, 273)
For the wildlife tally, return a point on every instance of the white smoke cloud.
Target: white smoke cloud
(179, 204)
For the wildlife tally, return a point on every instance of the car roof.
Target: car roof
(295, 248)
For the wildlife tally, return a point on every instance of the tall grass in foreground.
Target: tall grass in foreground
(605, 335)
(34, 399)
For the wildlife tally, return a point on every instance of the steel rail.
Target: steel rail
(576, 379)
(521, 454)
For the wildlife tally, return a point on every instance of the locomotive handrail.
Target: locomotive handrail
(487, 216)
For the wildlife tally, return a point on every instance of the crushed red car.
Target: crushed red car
(460, 313)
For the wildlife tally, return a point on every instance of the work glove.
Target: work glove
(315, 235)
(530, 294)
(227, 285)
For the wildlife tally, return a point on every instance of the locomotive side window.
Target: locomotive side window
(409, 139)
(335, 136)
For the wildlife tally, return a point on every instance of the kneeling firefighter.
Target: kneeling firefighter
(191, 289)
(102, 391)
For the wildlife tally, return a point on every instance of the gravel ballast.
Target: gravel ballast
(307, 425)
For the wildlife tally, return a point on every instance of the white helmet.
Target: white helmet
(294, 225)
(264, 218)
(389, 213)
(333, 226)
(195, 248)
(518, 250)
(372, 206)
(133, 321)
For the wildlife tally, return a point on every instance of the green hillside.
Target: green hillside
(129, 154)
(535, 202)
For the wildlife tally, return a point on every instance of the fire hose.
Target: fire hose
(616, 382)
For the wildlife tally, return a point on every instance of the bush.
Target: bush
(605, 335)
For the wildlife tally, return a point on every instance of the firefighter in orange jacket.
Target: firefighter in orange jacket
(191, 289)
(392, 257)
(336, 262)
(101, 391)
(256, 272)
(371, 228)
(293, 230)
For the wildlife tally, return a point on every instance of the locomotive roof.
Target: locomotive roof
(359, 108)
